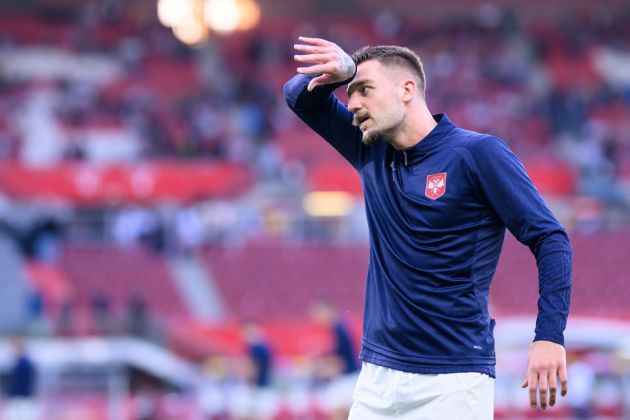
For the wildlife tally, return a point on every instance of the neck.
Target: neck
(417, 124)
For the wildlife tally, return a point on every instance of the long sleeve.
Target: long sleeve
(513, 196)
(553, 258)
(328, 117)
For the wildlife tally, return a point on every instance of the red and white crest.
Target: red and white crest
(436, 186)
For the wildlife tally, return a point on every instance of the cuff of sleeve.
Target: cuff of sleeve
(558, 339)
(348, 80)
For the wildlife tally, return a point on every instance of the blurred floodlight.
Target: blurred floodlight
(222, 15)
(250, 14)
(328, 203)
(173, 13)
(192, 32)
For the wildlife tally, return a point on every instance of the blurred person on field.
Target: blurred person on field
(338, 367)
(253, 397)
(260, 355)
(21, 385)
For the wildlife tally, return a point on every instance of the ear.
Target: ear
(408, 90)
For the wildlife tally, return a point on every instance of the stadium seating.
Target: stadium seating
(279, 282)
(118, 275)
(599, 275)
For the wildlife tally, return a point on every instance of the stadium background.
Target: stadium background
(161, 209)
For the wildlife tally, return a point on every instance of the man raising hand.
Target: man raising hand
(438, 201)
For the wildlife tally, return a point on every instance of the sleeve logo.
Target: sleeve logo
(436, 186)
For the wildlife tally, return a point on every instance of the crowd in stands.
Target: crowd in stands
(97, 86)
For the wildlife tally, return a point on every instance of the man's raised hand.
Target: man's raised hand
(325, 59)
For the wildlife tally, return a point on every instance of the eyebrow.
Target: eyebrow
(355, 85)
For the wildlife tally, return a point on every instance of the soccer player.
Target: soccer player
(438, 199)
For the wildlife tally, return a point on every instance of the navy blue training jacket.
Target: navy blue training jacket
(437, 214)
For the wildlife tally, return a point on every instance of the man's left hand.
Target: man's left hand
(547, 361)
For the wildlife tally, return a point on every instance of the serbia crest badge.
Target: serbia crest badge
(436, 186)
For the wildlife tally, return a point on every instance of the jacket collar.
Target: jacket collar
(431, 142)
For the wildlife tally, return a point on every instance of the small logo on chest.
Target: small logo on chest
(436, 186)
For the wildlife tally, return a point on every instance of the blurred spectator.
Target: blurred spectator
(139, 226)
(154, 237)
(102, 320)
(597, 157)
(138, 317)
(189, 229)
(38, 322)
(43, 240)
(66, 318)
(21, 385)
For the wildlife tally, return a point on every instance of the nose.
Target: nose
(354, 105)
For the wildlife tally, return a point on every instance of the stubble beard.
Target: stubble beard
(387, 134)
(371, 137)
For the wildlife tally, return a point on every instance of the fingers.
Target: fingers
(553, 386)
(316, 69)
(543, 389)
(312, 58)
(312, 84)
(320, 80)
(312, 49)
(564, 379)
(533, 385)
(324, 59)
(315, 41)
(547, 386)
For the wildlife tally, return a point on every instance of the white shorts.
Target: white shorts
(384, 393)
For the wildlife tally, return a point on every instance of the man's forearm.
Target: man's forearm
(297, 95)
(554, 260)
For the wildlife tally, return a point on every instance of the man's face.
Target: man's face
(374, 97)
